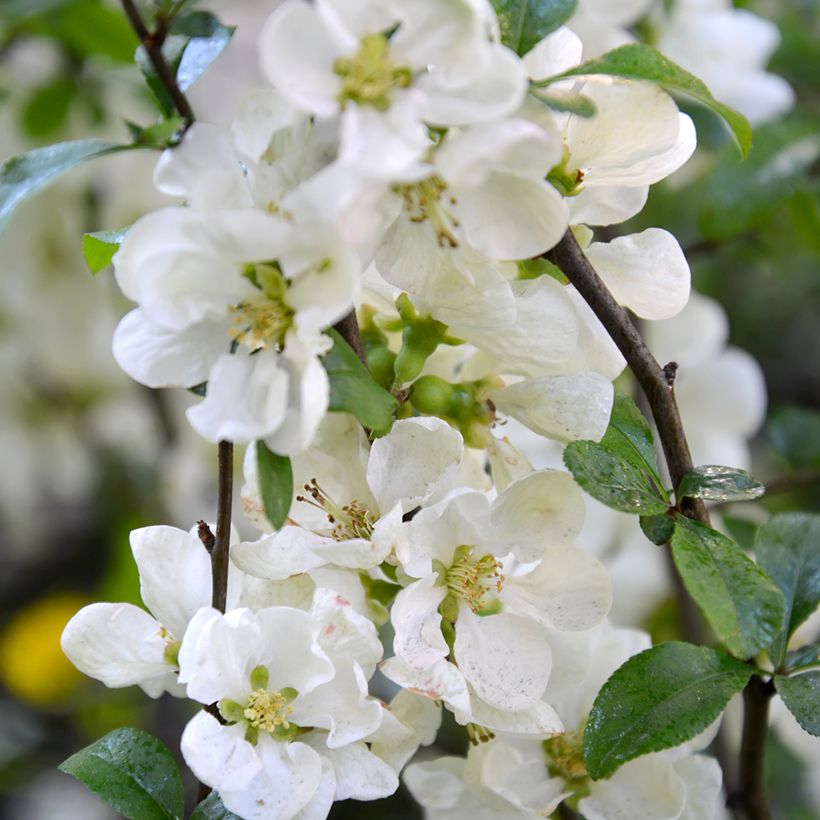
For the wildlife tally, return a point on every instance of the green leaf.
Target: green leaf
(788, 548)
(638, 61)
(275, 484)
(658, 528)
(808, 655)
(714, 483)
(801, 694)
(569, 101)
(24, 175)
(200, 53)
(533, 268)
(99, 248)
(741, 530)
(656, 700)
(131, 771)
(211, 808)
(795, 435)
(622, 470)
(353, 390)
(92, 28)
(524, 23)
(46, 109)
(740, 602)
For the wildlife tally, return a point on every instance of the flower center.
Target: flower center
(263, 320)
(472, 579)
(370, 76)
(423, 202)
(565, 759)
(349, 521)
(267, 711)
(565, 179)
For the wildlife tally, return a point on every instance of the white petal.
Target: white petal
(439, 784)
(563, 408)
(646, 272)
(512, 217)
(440, 682)
(538, 511)
(556, 53)
(420, 717)
(158, 357)
(607, 204)
(505, 658)
(644, 789)
(360, 775)
(290, 777)
(246, 400)
(537, 718)
(298, 52)
(219, 755)
(417, 623)
(703, 778)
(408, 463)
(320, 804)
(175, 575)
(569, 590)
(278, 556)
(204, 169)
(507, 464)
(118, 644)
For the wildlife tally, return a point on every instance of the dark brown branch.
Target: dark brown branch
(348, 329)
(749, 798)
(152, 42)
(220, 554)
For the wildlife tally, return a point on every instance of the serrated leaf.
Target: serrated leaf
(658, 699)
(658, 528)
(741, 603)
(639, 61)
(612, 480)
(212, 808)
(353, 390)
(788, 547)
(805, 656)
(524, 23)
(99, 248)
(133, 772)
(801, 694)
(714, 483)
(24, 175)
(275, 484)
(621, 470)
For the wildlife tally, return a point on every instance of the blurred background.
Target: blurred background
(86, 455)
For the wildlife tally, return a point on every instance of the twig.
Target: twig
(220, 554)
(794, 481)
(348, 329)
(750, 795)
(152, 42)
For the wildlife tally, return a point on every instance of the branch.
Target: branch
(220, 554)
(750, 796)
(348, 329)
(152, 42)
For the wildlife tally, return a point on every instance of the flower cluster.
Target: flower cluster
(402, 166)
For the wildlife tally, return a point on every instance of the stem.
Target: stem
(348, 329)
(152, 42)
(220, 555)
(750, 797)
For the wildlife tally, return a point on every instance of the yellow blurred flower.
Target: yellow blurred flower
(32, 664)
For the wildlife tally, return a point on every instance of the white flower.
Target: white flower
(438, 67)
(123, 645)
(231, 298)
(291, 689)
(474, 636)
(354, 522)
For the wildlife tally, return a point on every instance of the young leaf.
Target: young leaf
(714, 483)
(275, 484)
(786, 546)
(211, 808)
(352, 389)
(638, 61)
(200, 53)
(656, 700)
(131, 771)
(99, 248)
(740, 602)
(801, 694)
(622, 470)
(658, 528)
(24, 175)
(524, 23)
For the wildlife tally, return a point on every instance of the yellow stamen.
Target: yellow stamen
(267, 711)
(423, 202)
(472, 579)
(369, 77)
(349, 521)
